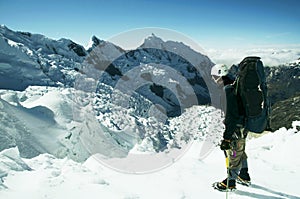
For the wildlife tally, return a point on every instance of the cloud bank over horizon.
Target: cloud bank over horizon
(271, 56)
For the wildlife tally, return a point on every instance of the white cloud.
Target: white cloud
(270, 55)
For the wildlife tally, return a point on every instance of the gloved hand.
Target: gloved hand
(225, 145)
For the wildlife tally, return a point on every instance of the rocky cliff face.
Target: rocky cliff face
(283, 81)
(284, 91)
(285, 112)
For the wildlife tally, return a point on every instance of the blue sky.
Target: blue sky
(212, 24)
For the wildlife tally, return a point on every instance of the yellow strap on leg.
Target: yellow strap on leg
(227, 162)
(227, 158)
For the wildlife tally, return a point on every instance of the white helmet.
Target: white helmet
(219, 70)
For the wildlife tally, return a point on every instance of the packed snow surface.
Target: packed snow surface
(274, 169)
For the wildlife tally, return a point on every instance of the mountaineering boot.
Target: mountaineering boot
(222, 186)
(244, 177)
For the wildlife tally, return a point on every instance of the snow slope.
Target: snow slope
(39, 120)
(73, 173)
(68, 123)
(272, 164)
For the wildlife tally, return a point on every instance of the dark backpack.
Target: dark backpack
(252, 89)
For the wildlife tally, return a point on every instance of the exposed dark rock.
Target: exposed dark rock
(283, 82)
(285, 112)
(78, 49)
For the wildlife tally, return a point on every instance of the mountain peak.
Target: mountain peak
(4, 29)
(152, 41)
(94, 41)
(155, 38)
(2, 26)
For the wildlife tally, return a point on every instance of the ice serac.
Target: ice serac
(33, 131)
(41, 120)
(33, 59)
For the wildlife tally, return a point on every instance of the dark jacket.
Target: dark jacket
(234, 110)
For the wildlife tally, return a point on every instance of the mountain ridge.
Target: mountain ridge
(164, 77)
(165, 80)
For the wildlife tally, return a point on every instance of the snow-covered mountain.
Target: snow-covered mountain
(146, 85)
(37, 60)
(33, 59)
(131, 93)
(65, 109)
(160, 71)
